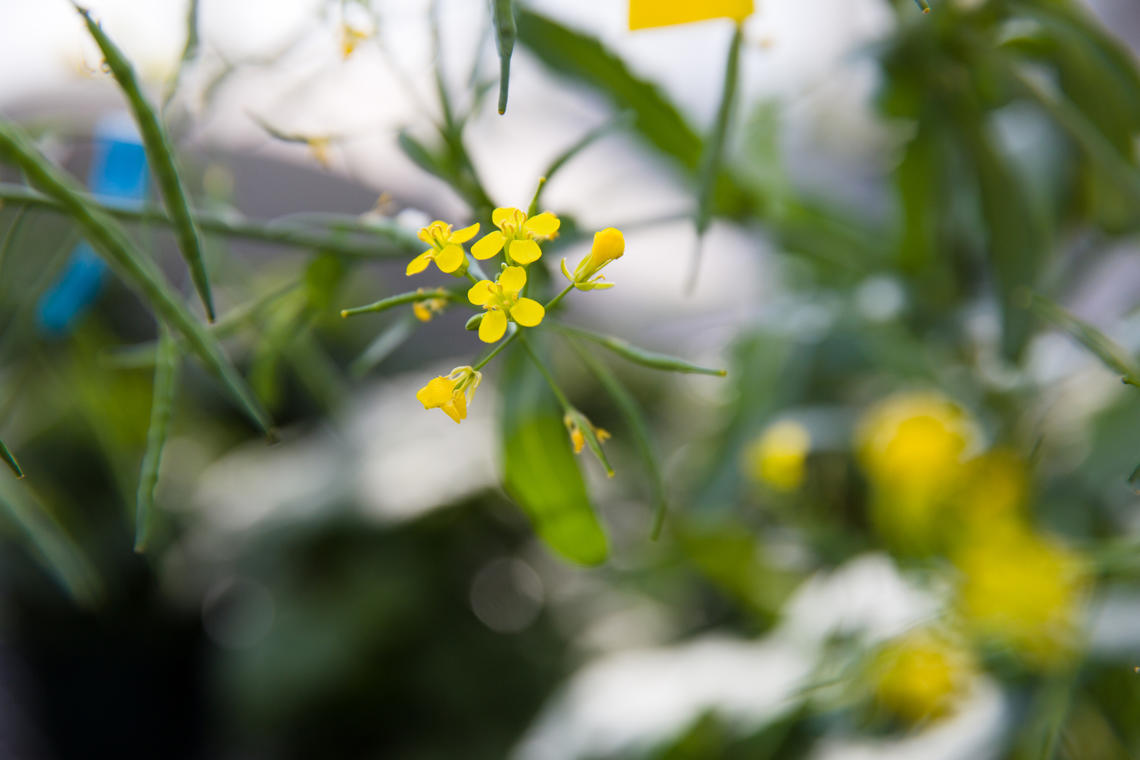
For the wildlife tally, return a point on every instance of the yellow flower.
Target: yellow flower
(609, 244)
(501, 298)
(912, 446)
(920, 674)
(1021, 590)
(644, 14)
(452, 392)
(577, 437)
(519, 235)
(777, 457)
(428, 308)
(446, 247)
(350, 37)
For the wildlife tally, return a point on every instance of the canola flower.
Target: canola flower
(501, 299)
(920, 675)
(777, 458)
(1022, 591)
(609, 245)
(646, 14)
(913, 447)
(446, 248)
(452, 392)
(518, 235)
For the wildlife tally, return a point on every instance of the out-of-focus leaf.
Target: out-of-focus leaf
(387, 341)
(540, 472)
(506, 31)
(56, 550)
(111, 241)
(577, 55)
(1017, 240)
(645, 358)
(620, 121)
(161, 410)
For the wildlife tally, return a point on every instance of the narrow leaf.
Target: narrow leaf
(1114, 356)
(109, 239)
(641, 356)
(161, 157)
(714, 148)
(621, 121)
(10, 460)
(57, 552)
(539, 471)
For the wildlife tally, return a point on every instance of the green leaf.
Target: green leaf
(540, 472)
(111, 241)
(387, 341)
(161, 157)
(57, 552)
(161, 409)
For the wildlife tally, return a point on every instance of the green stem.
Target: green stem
(565, 402)
(403, 298)
(497, 349)
(402, 242)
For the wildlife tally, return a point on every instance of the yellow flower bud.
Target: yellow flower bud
(609, 244)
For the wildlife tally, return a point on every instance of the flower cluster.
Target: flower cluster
(501, 300)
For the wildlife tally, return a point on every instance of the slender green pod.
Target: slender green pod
(50, 543)
(1112, 354)
(635, 419)
(10, 460)
(111, 241)
(403, 298)
(161, 156)
(275, 233)
(506, 32)
(645, 358)
(161, 409)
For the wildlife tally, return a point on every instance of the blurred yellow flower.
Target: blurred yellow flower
(518, 235)
(994, 489)
(501, 298)
(350, 38)
(452, 392)
(446, 247)
(1023, 591)
(609, 244)
(644, 14)
(912, 447)
(777, 457)
(920, 675)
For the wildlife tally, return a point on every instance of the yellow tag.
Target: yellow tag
(645, 14)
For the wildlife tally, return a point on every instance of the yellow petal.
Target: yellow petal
(513, 279)
(480, 292)
(456, 408)
(436, 393)
(419, 263)
(493, 326)
(644, 14)
(501, 216)
(488, 246)
(545, 225)
(609, 244)
(528, 312)
(525, 251)
(422, 312)
(465, 234)
(425, 235)
(449, 259)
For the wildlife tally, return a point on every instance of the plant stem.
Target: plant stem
(558, 298)
(565, 402)
(495, 351)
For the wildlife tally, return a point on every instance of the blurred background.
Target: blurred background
(901, 527)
